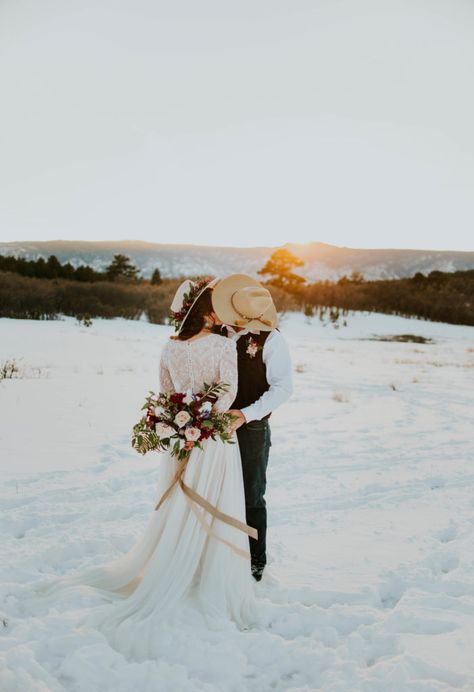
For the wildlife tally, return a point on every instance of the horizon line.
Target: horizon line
(236, 247)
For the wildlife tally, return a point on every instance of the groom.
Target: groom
(264, 383)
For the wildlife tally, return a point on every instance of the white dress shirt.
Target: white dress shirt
(276, 357)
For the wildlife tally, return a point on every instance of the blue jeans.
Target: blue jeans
(254, 443)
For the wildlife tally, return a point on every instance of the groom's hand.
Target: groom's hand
(240, 419)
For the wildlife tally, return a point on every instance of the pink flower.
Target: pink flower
(182, 418)
(164, 431)
(252, 348)
(192, 434)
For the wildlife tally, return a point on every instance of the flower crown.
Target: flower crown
(189, 297)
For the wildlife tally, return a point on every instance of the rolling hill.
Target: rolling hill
(322, 261)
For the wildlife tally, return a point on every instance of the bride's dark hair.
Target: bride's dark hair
(194, 321)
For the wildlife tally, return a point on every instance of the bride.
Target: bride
(187, 564)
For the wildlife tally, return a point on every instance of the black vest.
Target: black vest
(252, 370)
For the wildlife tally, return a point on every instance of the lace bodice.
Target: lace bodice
(188, 364)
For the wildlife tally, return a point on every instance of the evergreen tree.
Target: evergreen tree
(84, 273)
(156, 279)
(40, 268)
(357, 277)
(419, 278)
(67, 271)
(279, 267)
(121, 268)
(53, 267)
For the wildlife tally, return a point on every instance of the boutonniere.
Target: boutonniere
(252, 347)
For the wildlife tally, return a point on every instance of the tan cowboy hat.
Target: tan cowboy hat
(241, 301)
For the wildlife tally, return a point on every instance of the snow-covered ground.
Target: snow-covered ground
(370, 582)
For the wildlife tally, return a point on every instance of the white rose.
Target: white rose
(188, 399)
(182, 418)
(159, 410)
(192, 434)
(206, 407)
(163, 430)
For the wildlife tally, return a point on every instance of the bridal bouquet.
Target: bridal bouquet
(181, 420)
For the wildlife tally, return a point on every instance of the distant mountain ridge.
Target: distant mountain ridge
(322, 261)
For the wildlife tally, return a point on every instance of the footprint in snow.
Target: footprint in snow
(447, 534)
(443, 563)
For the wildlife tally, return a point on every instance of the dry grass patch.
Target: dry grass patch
(13, 369)
(9, 370)
(433, 363)
(341, 397)
(401, 338)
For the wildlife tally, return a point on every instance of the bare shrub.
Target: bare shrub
(284, 302)
(84, 320)
(44, 299)
(9, 369)
(12, 370)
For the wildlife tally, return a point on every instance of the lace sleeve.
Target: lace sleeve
(227, 374)
(166, 383)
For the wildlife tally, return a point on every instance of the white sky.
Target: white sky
(238, 123)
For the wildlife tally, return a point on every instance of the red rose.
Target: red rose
(206, 432)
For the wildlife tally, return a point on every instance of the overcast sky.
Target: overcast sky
(250, 122)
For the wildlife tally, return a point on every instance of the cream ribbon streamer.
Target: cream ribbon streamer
(193, 496)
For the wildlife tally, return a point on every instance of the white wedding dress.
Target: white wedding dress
(177, 572)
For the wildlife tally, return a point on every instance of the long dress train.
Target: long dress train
(177, 570)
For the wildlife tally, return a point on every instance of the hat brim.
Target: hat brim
(221, 301)
(210, 284)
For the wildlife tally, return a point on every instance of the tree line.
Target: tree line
(118, 291)
(437, 296)
(120, 269)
